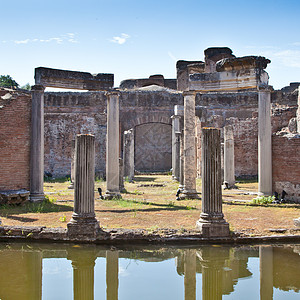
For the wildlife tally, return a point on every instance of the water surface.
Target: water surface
(51, 271)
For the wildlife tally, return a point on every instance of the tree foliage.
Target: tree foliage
(8, 82)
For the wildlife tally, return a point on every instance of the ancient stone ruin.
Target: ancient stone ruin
(155, 125)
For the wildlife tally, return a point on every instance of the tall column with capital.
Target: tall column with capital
(84, 222)
(229, 177)
(189, 189)
(112, 147)
(264, 142)
(211, 222)
(298, 111)
(37, 144)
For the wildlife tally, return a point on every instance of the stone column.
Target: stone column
(189, 189)
(83, 263)
(84, 222)
(71, 186)
(128, 154)
(181, 162)
(211, 222)
(190, 274)
(175, 147)
(121, 179)
(229, 177)
(266, 272)
(264, 142)
(37, 144)
(112, 147)
(112, 275)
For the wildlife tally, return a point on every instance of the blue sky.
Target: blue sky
(137, 38)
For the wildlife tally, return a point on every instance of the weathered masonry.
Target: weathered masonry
(228, 90)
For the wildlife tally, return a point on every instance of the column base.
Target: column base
(213, 229)
(38, 197)
(188, 194)
(109, 195)
(83, 225)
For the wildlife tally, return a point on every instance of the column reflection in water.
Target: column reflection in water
(266, 272)
(212, 262)
(190, 274)
(83, 263)
(112, 275)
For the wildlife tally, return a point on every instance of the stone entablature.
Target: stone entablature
(222, 71)
(72, 79)
(152, 80)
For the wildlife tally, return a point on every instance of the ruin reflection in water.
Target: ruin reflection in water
(41, 271)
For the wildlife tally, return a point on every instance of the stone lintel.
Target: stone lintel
(72, 79)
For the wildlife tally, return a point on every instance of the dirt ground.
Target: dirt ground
(150, 203)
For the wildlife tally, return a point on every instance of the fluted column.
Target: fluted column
(189, 189)
(212, 262)
(266, 272)
(190, 274)
(264, 142)
(71, 186)
(128, 154)
(229, 177)
(37, 144)
(112, 275)
(112, 147)
(211, 222)
(83, 222)
(83, 263)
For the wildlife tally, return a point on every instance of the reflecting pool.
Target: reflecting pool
(56, 271)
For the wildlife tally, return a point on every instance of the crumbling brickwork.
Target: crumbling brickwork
(286, 165)
(15, 121)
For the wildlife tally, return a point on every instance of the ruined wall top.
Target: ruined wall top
(157, 79)
(222, 71)
(72, 79)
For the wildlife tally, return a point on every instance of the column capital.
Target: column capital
(265, 88)
(112, 93)
(188, 93)
(37, 88)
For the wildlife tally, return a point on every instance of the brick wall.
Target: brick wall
(15, 120)
(286, 165)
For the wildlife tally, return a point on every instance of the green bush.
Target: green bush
(263, 200)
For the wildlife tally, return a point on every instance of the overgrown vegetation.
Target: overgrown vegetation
(263, 200)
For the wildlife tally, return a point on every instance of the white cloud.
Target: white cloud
(22, 42)
(120, 39)
(69, 37)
